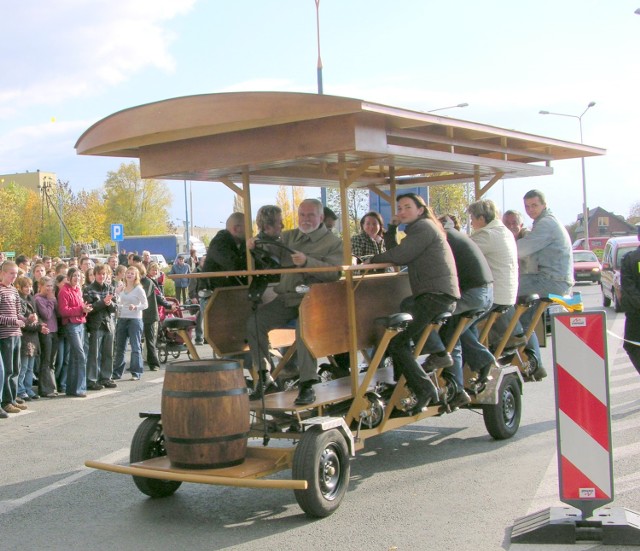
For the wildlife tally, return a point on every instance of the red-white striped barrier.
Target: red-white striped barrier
(585, 463)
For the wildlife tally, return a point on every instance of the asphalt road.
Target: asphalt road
(439, 484)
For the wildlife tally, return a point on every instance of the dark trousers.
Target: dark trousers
(631, 333)
(181, 294)
(10, 350)
(48, 355)
(151, 342)
(424, 308)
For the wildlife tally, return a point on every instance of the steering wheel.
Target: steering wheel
(264, 259)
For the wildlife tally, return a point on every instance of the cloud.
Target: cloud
(70, 48)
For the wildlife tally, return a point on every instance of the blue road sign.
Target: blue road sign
(117, 232)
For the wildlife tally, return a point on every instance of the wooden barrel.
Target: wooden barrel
(205, 414)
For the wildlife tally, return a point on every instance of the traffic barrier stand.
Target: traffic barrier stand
(583, 425)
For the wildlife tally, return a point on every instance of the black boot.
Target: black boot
(427, 395)
(265, 385)
(306, 395)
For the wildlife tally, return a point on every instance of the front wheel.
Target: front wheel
(147, 443)
(322, 459)
(503, 419)
(606, 301)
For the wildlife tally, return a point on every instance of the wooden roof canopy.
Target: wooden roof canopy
(286, 138)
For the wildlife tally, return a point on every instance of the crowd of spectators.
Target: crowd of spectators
(65, 325)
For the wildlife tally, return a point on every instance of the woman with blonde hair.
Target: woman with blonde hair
(132, 300)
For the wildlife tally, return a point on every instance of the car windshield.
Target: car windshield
(584, 256)
(624, 250)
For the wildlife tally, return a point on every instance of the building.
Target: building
(603, 223)
(30, 180)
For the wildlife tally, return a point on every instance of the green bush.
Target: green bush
(169, 285)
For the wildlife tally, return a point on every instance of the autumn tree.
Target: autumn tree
(141, 205)
(288, 199)
(357, 205)
(451, 199)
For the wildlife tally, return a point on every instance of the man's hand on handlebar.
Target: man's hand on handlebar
(299, 259)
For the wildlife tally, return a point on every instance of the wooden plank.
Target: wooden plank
(323, 312)
(331, 392)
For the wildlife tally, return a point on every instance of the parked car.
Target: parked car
(160, 259)
(586, 266)
(614, 251)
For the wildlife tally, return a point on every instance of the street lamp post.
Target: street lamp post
(449, 107)
(585, 210)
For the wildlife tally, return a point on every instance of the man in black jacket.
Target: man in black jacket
(630, 302)
(101, 327)
(151, 316)
(226, 253)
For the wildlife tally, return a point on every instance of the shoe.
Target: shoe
(428, 395)
(434, 362)
(153, 368)
(50, 395)
(21, 405)
(135, 377)
(116, 378)
(25, 398)
(483, 374)
(94, 386)
(199, 342)
(19, 400)
(34, 397)
(3, 414)
(459, 400)
(108, 384)
(539, 374)
(306, 395)
(77, 395)
(269, 387)
(10, 408)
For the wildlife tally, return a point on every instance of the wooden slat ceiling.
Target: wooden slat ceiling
(310, 140)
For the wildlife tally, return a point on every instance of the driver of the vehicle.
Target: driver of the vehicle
(314, 246)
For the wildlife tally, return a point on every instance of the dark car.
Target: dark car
(586, 266)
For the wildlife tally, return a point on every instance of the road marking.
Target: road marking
(157, 381)
(101, 394)
(625, 388)
(10, 505)
(624, 376)
(21, 414)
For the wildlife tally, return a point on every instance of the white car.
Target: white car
(160, 259)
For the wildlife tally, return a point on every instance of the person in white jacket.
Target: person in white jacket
(132, 300)
(498, 245)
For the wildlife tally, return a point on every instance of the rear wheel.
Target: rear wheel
(503, 419)
(147, 443)
(606, 301)
(322, 459)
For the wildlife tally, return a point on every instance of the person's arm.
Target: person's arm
(629, 290)
(408, 249)
(537, 239)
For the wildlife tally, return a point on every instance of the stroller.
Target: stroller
(169, 342)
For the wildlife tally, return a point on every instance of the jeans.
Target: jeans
(10, 351)
(424, 308)
(200, 319)
(77, 371)
(62, 361)
(25, 378)
(476, 354)
(48, 355)
(501, 324)
(541, 285)
(128, 329)
(150, 341)
(100, 357)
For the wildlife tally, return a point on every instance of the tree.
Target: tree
(357, 205)
(634, 213)
(451, 199)
(288, 199)
(141, 205)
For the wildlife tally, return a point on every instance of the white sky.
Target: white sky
(81, 60)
